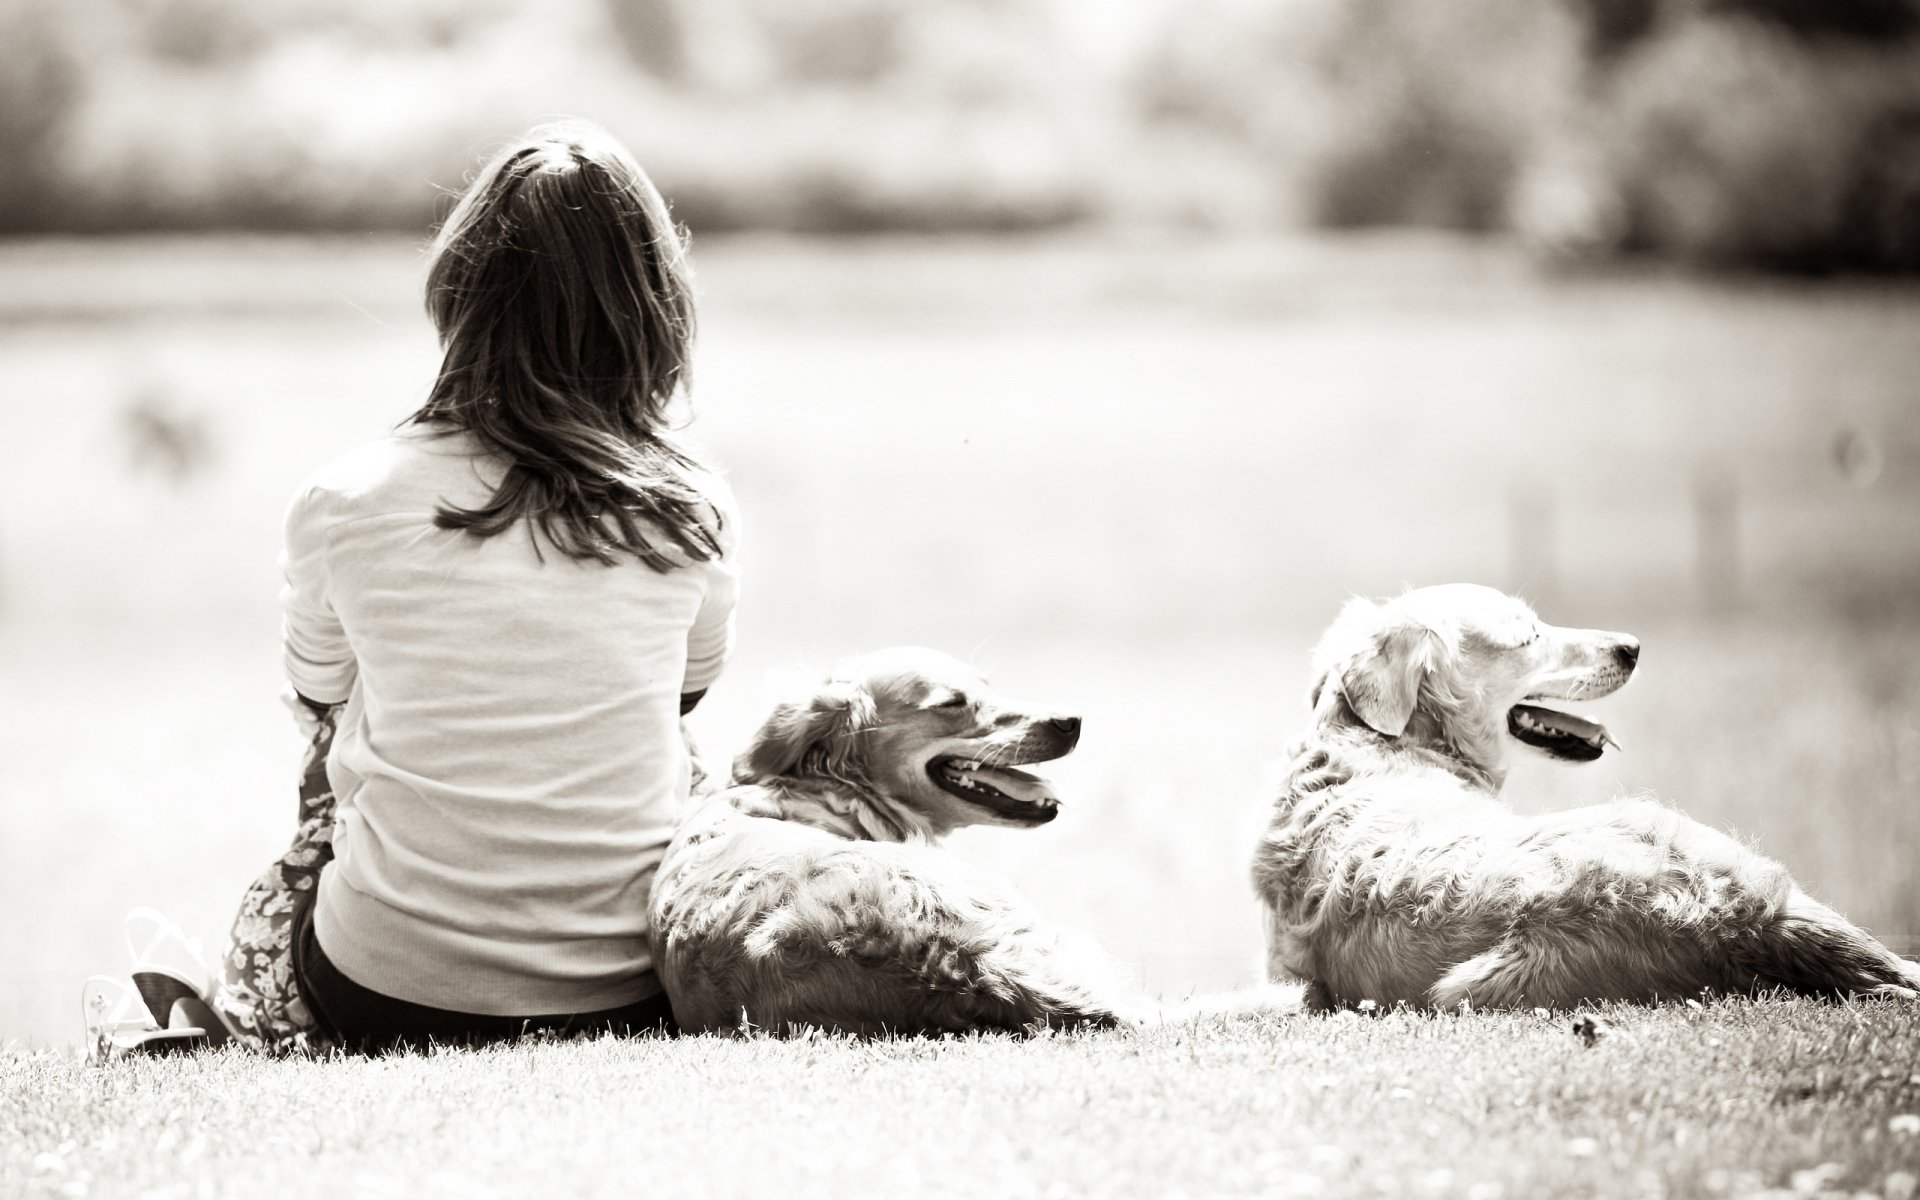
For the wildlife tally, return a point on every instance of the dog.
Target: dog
(812, 892)
(1391, 871)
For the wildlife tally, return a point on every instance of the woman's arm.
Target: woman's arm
(710, 640)
(319, 662)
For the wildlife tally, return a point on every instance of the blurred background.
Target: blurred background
(1110, 344)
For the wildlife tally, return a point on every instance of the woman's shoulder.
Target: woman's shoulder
(725, 509)
(408, 454)
(722, 518)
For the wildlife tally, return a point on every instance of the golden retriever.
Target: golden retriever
(812, 892)
(1392, 872)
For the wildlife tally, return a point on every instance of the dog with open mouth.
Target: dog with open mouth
(812, 892)
(1391, 871)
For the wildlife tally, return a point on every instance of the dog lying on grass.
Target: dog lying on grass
(1392, 872)
(812, 892)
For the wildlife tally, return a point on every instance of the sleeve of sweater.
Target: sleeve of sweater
(319, 662)
(710, 640)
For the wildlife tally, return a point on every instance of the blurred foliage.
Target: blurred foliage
(1780, 133)
(1777, 132)
(350, 114)
(38, 87)
(1375, 111)
(1736, 141)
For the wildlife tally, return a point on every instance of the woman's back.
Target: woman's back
(510, 765)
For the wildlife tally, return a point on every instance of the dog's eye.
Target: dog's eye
(947, 700)
(1512, 637)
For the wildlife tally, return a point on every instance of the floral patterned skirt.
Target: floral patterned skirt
(256, 993)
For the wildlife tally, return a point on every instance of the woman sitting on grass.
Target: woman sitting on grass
(495, 619)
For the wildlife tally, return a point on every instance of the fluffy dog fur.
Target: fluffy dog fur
(812, 892)
(1392, 872)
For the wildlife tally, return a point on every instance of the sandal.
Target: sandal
(172, 977)
(111, 1012)
(174, 1002)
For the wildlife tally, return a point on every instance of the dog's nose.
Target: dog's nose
(1067, 726)
(1628, 652)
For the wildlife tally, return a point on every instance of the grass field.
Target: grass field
(1132, 477)
(1735, 1099)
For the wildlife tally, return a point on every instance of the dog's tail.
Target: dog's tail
(1812, 949)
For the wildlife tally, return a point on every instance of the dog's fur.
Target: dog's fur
(812, 892)
(1392, 872)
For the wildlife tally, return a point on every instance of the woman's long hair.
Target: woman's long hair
(562, 293)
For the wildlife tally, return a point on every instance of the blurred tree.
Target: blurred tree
(38, 88)
(1868, 20)
(1373, 112)
(653, 34)
(1615, 25)
(833, 41)
(1881, 224)
(1739, 141)
(199, 33)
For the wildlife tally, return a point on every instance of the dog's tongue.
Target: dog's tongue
(1554, 721)
(1028, 789)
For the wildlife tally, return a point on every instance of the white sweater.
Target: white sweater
(509, 766)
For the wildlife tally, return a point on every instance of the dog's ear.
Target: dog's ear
(825, 722)
(1382, 679)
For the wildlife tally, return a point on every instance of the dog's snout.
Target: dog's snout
(1628, 652)
(1067, 727)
